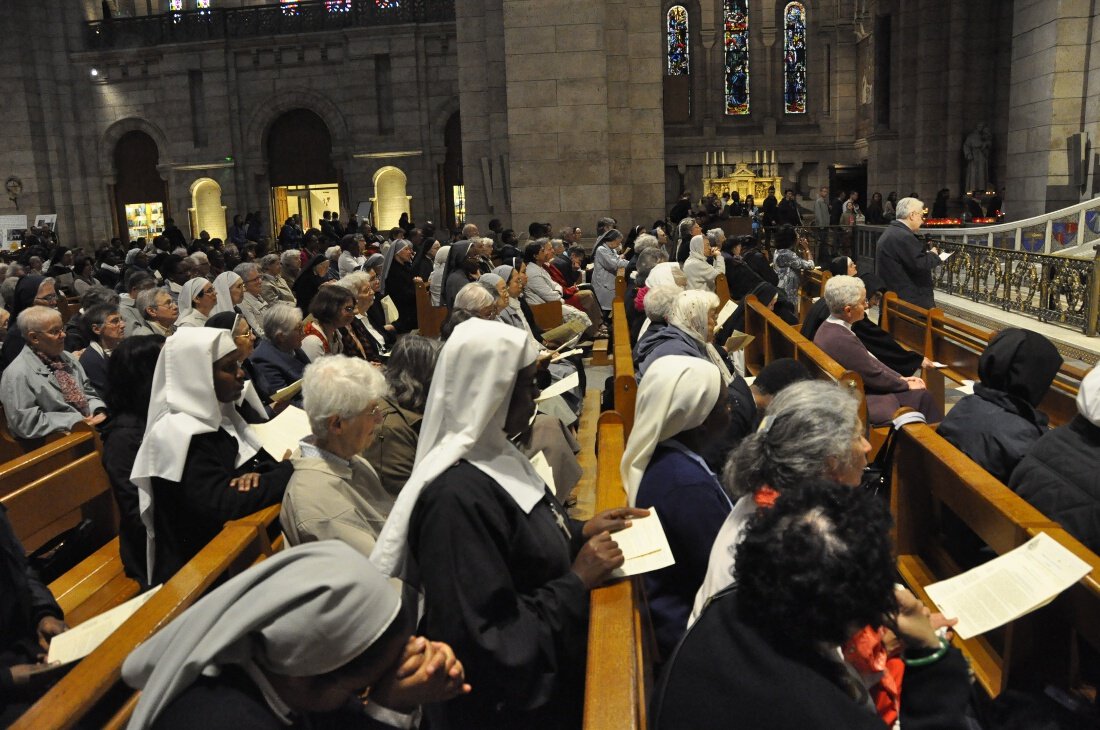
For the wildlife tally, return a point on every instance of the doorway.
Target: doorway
(139, 191)
(303, 178)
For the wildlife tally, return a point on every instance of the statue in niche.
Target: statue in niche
(976, 148)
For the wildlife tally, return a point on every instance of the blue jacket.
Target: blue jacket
(277, 369)
(667, 340)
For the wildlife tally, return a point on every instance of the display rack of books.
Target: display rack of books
(144, 219)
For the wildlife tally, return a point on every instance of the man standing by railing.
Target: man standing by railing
(821, 221)
(900, 258)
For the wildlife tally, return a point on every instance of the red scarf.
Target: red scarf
(70, 389)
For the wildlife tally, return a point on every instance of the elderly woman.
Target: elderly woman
(31, 291)
(335, 493)
(476, 299)
(229, 287)
(435, 281)
(789, 264)
(197, 300)
(541, 288)
(295, 640)
(159, 313)
(606, 263)
(690, 331)
(333, 307)
(373, 341)
(107, 331)
(292, 266)
(682, 404)
(278, 359)
(252, 306)
(45, 390)
(273, 287)
(812, 430)
(200, 464)
(409, 377)
(513, 601)
(886, 390)
(636, 288)
(769, 651)
(700, 271)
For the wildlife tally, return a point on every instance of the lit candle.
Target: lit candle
(707, 160)
(723, 157)
(773, 157)
(756, 157)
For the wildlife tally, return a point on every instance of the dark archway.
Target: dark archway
(451, 169)
(299, 150)
(140, 193)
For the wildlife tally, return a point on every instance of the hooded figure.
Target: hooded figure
(309, 281)
(999, 424)
(507, 601)
(435, 281)
(662, 468)
(1058, 475)
(455, 275)
(305, 611)
(223, 285)
(196, 446)
(189, 316)
(700, 272)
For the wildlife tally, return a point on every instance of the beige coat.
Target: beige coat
(327, 500)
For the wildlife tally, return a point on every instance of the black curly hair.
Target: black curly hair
(815, 567)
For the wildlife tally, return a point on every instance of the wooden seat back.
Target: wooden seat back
(429, 319)
(811, 288)
(93, 693)
(722, 289)
(931, 478)
(618, 675)
(620, 285)
(547, 315)
(626, 386)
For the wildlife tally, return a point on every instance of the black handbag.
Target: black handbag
(876, 476)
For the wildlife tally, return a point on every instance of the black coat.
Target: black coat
(724, 674)
(1060, 477)
(740, 277)
(904, 266)
(994, 429)
(95, 367)
(755, 259)
(401, 289)
(122, 436)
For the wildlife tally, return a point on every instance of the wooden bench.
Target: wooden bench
(429, 319)
(812, 287)
(626, 386)
(930, 478)
(618, 675)
(547, 315)
(93, 693)
(722, 289)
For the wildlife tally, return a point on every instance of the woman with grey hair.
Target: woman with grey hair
(477, 300)
(371, 340)
(637, 287)
(291, 260)
(886, 389)
(278, 359)
(273, 287)
(409, 377)
(690, 319)
(687, 230)
(812, 430)
(252, 306)
(335, 493)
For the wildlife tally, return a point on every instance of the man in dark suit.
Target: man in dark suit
(900, 258)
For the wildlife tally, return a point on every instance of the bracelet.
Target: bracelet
(931, 658)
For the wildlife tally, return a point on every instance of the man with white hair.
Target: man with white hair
(470, 232)
(335, 494)
(45, 390)
(901, 259)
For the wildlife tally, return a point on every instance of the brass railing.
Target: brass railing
(262, 20)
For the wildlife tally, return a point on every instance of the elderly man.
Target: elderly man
(159, 313)
(335, 494)
(45, 390)
(470, 232)
(273, 287)
(136, 282)
(900, 258)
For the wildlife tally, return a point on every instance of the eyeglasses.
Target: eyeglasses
(51, 298)
(206, 292)
(350, 309)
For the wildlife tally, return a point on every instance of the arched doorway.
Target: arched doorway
(452, 192)
(207, 212)
(299, 159)
(390, 199)
(140, 192)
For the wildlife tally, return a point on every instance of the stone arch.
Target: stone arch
(391, 197)
(270, 109)
(207, 211)
(117, 130)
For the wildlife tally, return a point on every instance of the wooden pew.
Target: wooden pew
(12, 448)
(429, 319)
(620, 285)
(931, 477)
(547, 315)
(626, 386)
(93, 693)
(812, 287)
(618, 674)
(722, 289)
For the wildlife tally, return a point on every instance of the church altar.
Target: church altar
(744, 182)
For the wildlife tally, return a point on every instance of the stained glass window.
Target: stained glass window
(794, 58)
(202, 4)
(290, 7)
(338, 6)
(736, 40)
(676, 26)
(175, 4)
(387, 4)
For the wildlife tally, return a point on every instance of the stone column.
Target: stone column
(566, 125)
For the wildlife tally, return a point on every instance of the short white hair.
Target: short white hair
(658, 301)
(292, 258)
(338, 385)
(907, 207)
(844, 291)
(473, 297)
(281, 319)
(199, 258)
(36, 319)
(644, 241)
(333, 252)
(357, 281)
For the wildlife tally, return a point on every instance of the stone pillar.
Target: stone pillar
(1051, 47)
(565, 125)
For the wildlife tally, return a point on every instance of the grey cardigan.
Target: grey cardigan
(33, 403)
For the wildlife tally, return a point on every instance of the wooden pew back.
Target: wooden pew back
(811, 288)
(722, 289)
(429, 319)
(93, 692)
(547, 315)
(626, 386)
(618, 673)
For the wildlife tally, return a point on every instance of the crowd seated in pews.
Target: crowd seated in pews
(419, 459)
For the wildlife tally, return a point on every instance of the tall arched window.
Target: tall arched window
(679, 54)
(794, 58)
(736, 40)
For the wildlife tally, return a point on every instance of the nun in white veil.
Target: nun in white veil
(230, 289)
(513, 599)
(200, 464)
(303, 632)
(682, 406)
(435, 281)
(197, 300)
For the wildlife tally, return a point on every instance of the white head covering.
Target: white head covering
(677, 393)
(691, 313)
(441, 259)
(188, 292)
(387, 262)
(696, 248)
(662, 275)
(464, 419)
(221, 286)
(305, 611)
(184, 405)
(1088, 397)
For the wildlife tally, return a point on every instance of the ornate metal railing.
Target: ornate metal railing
(261, 20)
